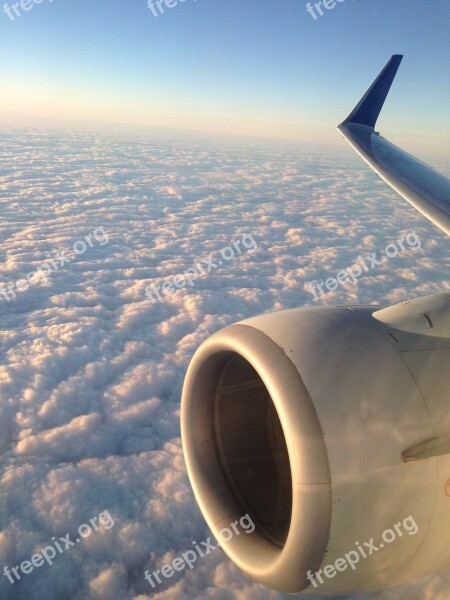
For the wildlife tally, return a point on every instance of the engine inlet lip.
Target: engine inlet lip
(283, 568)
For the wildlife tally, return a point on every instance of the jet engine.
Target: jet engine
(329, 427)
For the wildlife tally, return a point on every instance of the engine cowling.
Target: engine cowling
(328, 426)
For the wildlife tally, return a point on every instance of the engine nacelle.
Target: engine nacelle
(329, 426)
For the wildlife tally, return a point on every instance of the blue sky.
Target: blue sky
(259, 67)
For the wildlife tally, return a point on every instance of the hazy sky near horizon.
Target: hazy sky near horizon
(259, 67)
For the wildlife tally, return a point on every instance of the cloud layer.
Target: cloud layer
(91, 370)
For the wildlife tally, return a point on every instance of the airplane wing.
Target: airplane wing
(262, 436)
(419, 184)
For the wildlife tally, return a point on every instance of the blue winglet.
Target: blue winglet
(369, 107)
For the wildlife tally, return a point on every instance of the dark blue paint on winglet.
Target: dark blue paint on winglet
(419, 184)
(369, 107)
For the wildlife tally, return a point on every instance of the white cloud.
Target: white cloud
(91, 371)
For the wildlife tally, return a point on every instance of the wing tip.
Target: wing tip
(368, 109)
